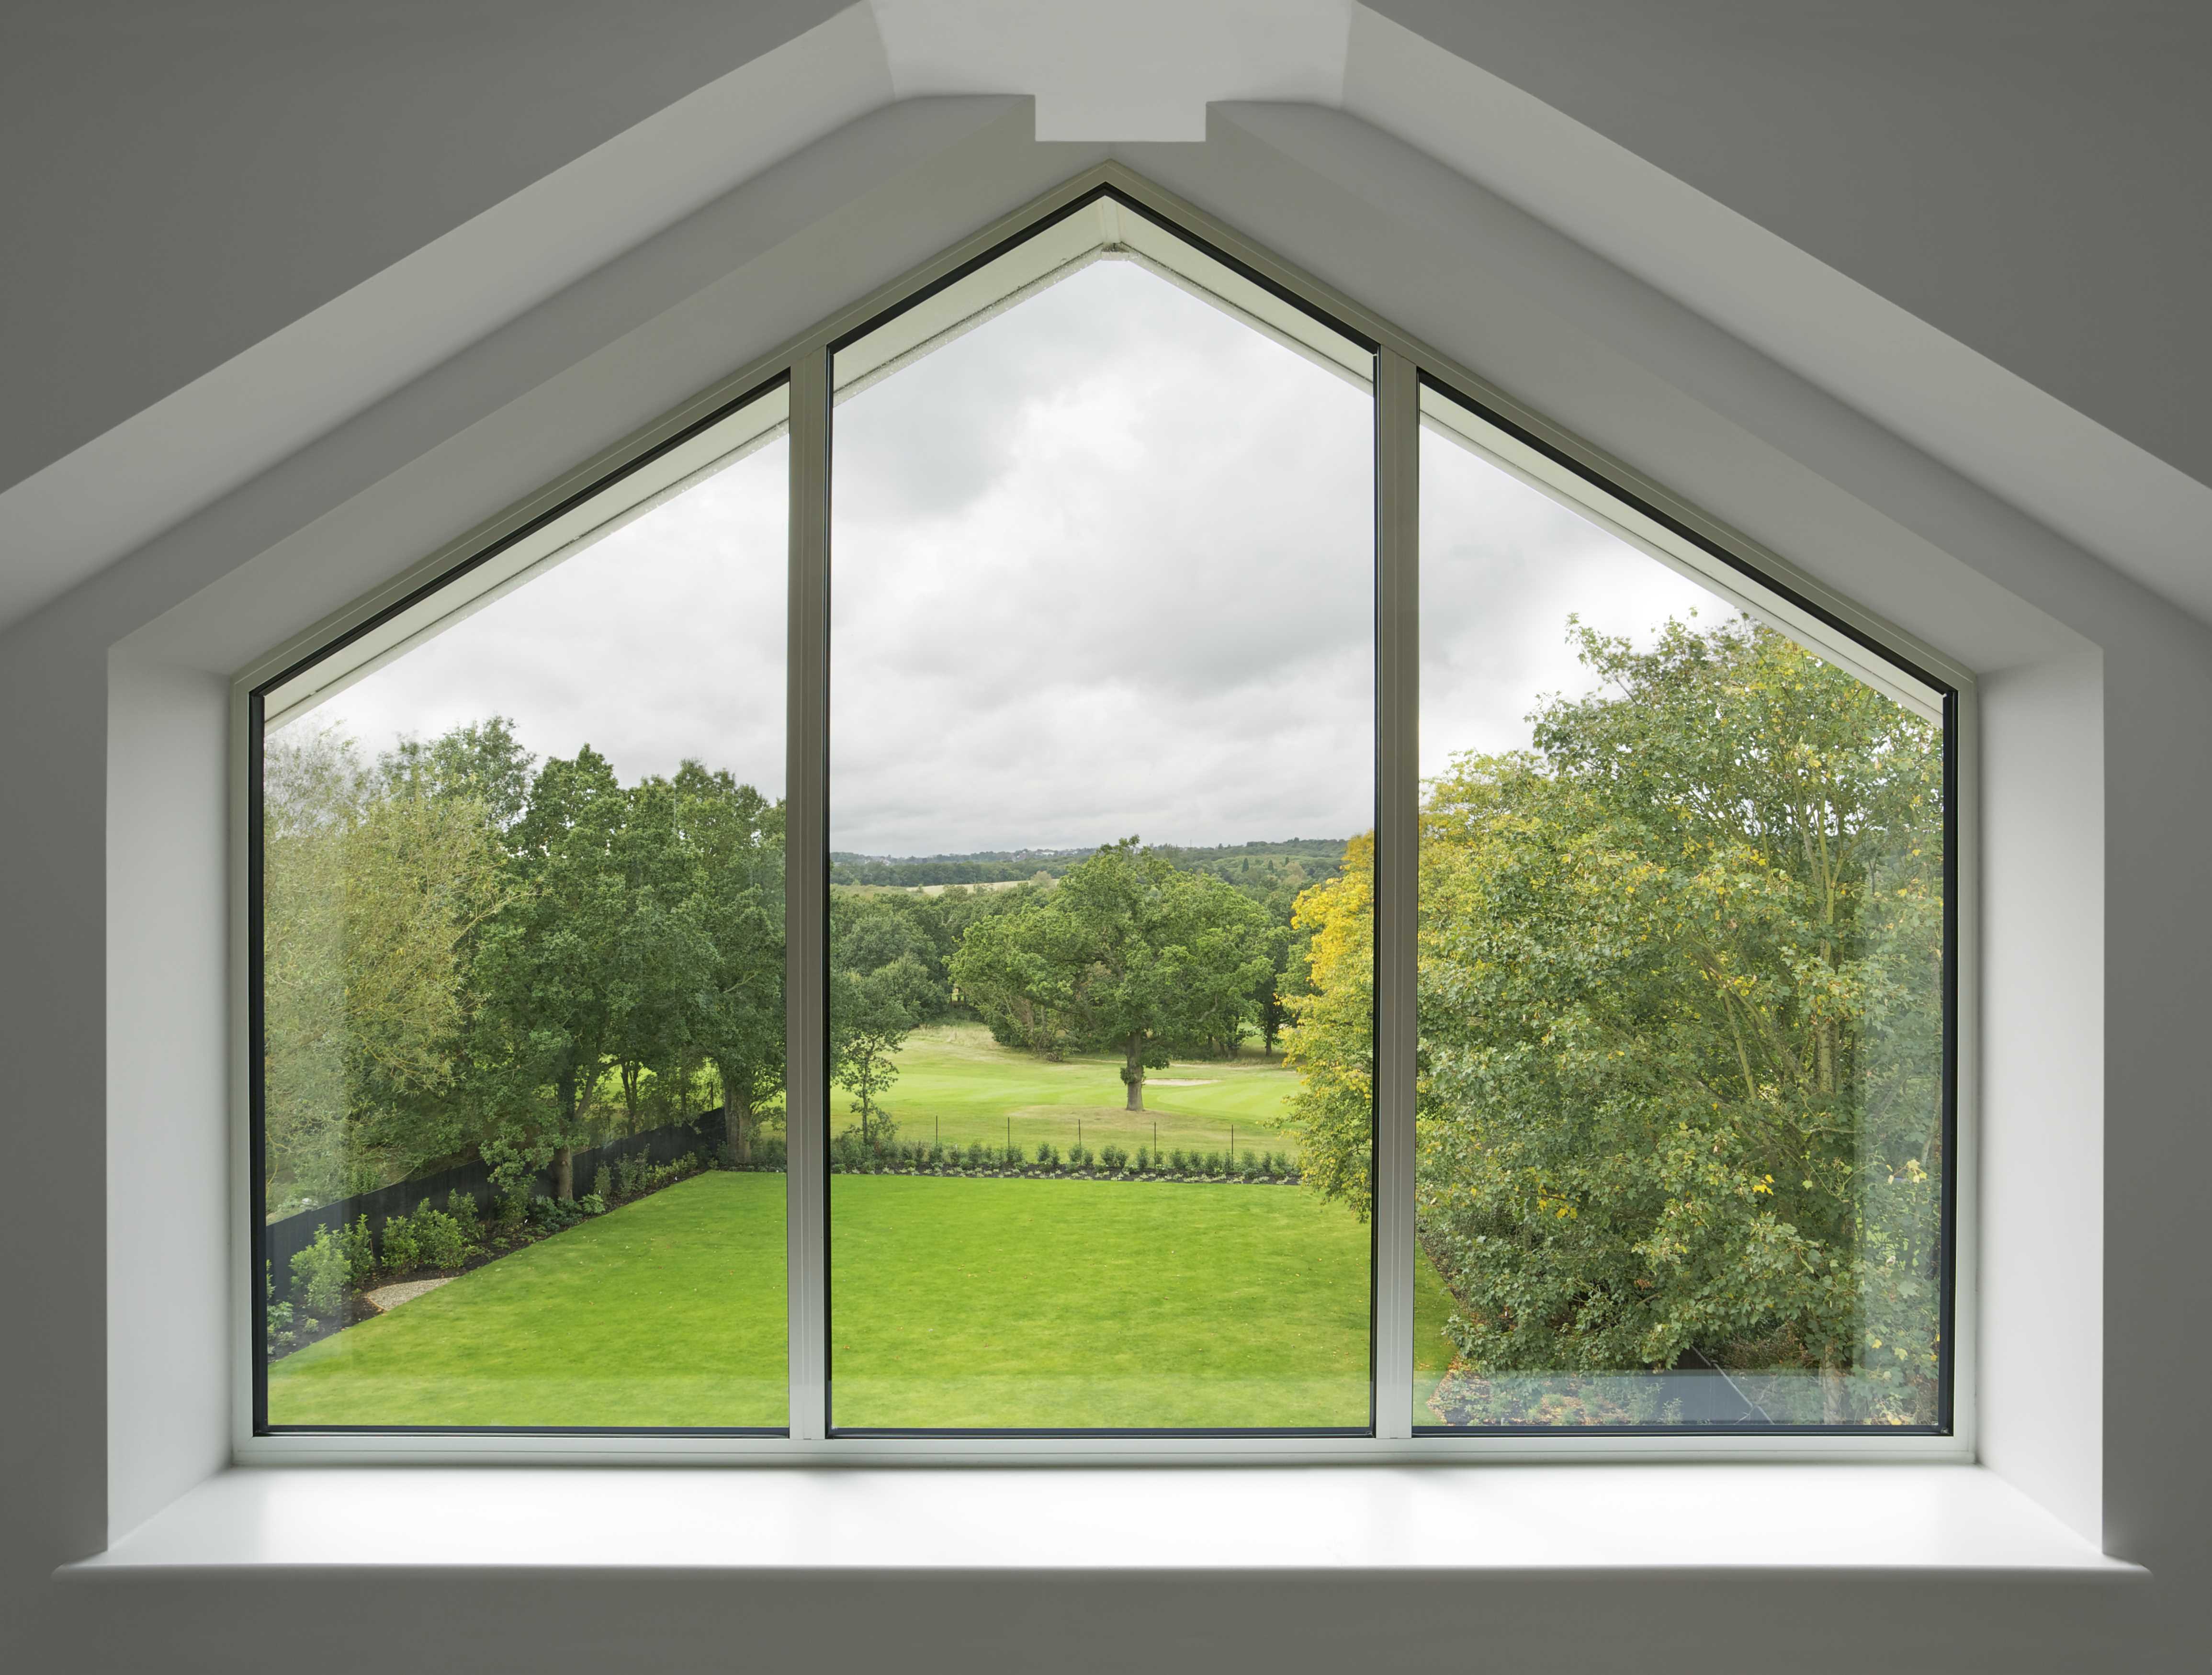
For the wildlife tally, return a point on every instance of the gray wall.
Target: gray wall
(325, 143)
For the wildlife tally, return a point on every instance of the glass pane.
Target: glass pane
(1102, 730)
(522, 958)
(1681, 1030)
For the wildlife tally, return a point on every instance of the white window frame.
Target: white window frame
(1514, 437)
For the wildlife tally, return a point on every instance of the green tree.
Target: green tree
(732, 838)
(662, 969)
(549, 967)
(480, 761)
(1680, 1073)
(1331, 1042)
(372, 893)
(882, 984)
(310, 799)
(1127, 954)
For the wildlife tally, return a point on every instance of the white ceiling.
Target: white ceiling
(242, 221)
(1136, 69)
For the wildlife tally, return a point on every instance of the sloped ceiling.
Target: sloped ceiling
(234, 224)
(2026, 176)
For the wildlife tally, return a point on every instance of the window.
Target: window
(1102, 711)
(1682, 1143)
(521, 909)
(1314, 922)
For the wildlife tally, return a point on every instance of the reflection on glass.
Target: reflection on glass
(1681, 929)
(522, 1003)
(1102, 729)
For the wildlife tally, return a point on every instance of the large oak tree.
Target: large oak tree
(1127, 955)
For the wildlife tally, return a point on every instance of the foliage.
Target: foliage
(464, 955)
(1127, 954)
(324, 1271)
(375, 883)
(463, 1210)
(551, 966)
(882, 985)
(1332, 1044)
(734, 838)
(1680, 1028)
(428, 1239)
(277, 1332)
(555, 1214)
(396, 1246)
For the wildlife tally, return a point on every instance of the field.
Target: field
(958, 1085)
(954, 1302)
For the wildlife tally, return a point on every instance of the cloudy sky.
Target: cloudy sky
(1103, 565)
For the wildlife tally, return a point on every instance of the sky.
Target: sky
(1102, 566)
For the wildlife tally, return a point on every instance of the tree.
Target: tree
(1680, 1065)
(882, 984)
(662, 970)
(1331, 1042)
(734, 838)
(549, 967)
(480, 761)
(373, 892)
(1127, 954)
(311, 792)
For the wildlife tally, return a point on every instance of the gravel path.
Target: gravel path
(389, 1297)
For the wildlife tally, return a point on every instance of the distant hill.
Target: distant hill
(1243, 864)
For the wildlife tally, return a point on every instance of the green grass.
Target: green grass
(958, 1084)
(955, 1303)
(667, 1312)
(973, 1304)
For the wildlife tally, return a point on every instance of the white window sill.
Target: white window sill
(1393, 1519)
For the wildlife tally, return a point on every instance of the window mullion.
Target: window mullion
(1397, 775)
(806, 862)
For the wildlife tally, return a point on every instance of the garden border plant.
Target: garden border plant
(850, 1154)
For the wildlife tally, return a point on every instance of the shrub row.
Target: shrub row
(849, 1155)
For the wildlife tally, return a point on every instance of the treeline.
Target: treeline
(466, 955)
(1298, 861)
(912, 872)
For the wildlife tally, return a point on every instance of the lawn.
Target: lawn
(970, 1304)
(954, 1302)
(669, 1311)
(958, 1085)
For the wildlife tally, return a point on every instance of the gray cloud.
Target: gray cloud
(1103, 565)
(1502, 567)
(1156, 619)
(663, 641)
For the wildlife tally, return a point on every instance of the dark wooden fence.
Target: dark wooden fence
(280, 1241)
